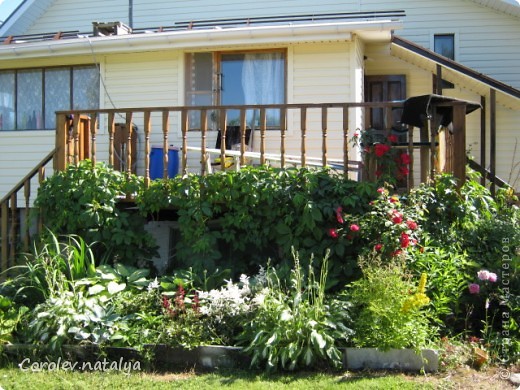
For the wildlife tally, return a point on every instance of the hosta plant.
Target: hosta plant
(296, 326)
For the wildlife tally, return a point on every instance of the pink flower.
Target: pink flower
(381, 190)
(339, 216)
(396, 253)
(333, 233)
(392, 138)
(474, 288)
(492, 277)
(483, 274)
(354, 228)
(397, 217)
(378, 247)
(405, 240)
(412, 225)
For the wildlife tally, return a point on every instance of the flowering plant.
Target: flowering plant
(388, 228)
(383, 160)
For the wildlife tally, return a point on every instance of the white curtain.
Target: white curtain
(263, 83)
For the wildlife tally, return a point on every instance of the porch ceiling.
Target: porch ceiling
(454, 72)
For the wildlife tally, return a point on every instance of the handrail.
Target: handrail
(486, 173)
(13, 233)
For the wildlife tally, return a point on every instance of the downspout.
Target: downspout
(131, 13)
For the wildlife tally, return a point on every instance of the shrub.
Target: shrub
(388, 307)
(84, 200)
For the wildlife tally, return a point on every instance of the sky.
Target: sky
(6, 7)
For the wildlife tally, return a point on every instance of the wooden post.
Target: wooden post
(147, 131)
(425, 161)
(438, 80)
(76, 139)
(60, 159)
(410, 153)
(459, 143)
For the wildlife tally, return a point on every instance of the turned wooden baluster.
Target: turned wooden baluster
(345, 140)
(303, 128)
(93, 133)
(147, 130)
(111, 131)
(324, 135)
(165, 130)
(75, 136)
(203, 130)
(184, 130)
(410, 153)
(129, 132)
(27, 195)
(243, 131)
(283, 131)
(223, 135)
(14, 226)
(263, 128)
(5, 235)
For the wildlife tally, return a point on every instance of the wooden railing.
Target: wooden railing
(15, 217)
(315, 132)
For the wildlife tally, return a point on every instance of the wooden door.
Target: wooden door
(384, 89)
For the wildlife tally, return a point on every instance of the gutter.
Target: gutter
(199, 39)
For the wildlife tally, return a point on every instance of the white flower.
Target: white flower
(154, 284)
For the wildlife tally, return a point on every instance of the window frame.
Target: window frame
(43, 72)
(216, 91)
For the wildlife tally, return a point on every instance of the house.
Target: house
(115, 59)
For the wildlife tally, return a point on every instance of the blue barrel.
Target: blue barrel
(157, 165)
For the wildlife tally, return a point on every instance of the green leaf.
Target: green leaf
(114, 287)
(96, 289)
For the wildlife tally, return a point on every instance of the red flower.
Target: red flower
(404, 171)
(354, 228)
(378, 173)
(396, 253)
(394, 199)
(412, 225)
(381, 149)
(397, 217)
(405, 158)
(333, 233)
(392, 138)
(378, 247)
(339, 216)
(405, 240)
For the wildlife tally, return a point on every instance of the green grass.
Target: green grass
(14, 378)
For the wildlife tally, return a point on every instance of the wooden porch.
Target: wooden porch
(304, 135)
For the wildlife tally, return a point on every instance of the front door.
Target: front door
(384, 89)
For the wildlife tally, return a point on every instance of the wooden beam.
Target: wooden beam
(324, 123)
(303, 130)
(60, 158)
(165, 130)
(4, 235)
(459, 143)
(147, 149)
(345, 140)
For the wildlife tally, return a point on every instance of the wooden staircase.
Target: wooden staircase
(17, 225)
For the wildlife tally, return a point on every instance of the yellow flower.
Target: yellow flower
(419, 299)
(422, 284)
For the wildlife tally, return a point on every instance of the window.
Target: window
(444, 44)
(237, 78)
(29, 98)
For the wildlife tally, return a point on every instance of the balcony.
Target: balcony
(302, 135)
